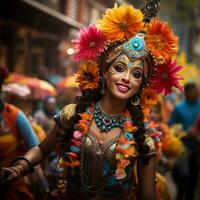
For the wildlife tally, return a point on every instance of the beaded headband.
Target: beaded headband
(131, 32)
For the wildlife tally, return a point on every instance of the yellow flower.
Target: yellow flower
(121, 22)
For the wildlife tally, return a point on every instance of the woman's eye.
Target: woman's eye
(118, 68)
(137, 74)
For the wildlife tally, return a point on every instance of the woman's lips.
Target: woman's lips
(122, 88)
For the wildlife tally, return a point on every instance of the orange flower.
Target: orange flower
(86, 116)
(123, 163)
(126, 114)
(121, 22)
(128, 126)
(146, 112)
(161, 40)
(64, 164)
(82, 126)
(130, 151)
(123, 140)
(148, 98)
(88, 75)
(72, 163)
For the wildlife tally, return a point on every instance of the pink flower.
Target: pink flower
(89, 44)
(120, 174)
(77, 135)
(166, 77)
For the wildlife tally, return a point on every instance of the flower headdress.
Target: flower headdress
(119, 31)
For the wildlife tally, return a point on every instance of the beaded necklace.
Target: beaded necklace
(106, 122)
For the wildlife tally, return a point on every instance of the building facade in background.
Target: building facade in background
(35, 35)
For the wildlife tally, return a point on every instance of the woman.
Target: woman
(104, 135)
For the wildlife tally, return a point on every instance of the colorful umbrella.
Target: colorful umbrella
(16, 89)
(39, 88)
(67, 82)
(15, 78)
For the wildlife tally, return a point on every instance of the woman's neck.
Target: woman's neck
(112, 105)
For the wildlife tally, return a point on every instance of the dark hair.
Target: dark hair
(3, 74)
(189, 86)
(92, 96)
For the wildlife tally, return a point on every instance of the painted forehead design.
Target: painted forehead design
(123, 58)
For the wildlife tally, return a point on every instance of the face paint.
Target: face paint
(124, 77)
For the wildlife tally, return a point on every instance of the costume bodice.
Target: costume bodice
(95, 155)
(98, 161)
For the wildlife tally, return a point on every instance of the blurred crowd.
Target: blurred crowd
(25, 121)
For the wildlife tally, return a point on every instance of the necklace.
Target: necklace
(106, 122)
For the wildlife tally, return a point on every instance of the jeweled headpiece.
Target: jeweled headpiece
(124, 29)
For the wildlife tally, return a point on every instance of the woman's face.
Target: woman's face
(124, 77)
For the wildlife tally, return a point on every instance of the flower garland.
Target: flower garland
(126, 147)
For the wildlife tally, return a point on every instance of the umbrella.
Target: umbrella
(39, 88)
(16, 89)
(15, 78)
(67, 82)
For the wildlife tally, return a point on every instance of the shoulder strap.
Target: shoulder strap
(66, 113)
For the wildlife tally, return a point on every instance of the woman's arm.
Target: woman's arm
(23, 165)
(38, 153)
(147, 179)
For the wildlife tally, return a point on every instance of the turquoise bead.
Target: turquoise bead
(128, 135)
(75, 149)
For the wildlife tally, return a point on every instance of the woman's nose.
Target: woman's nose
(126, 77)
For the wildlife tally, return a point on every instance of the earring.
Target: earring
(103, 80)
(135, 101)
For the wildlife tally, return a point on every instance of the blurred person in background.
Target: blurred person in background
(188, 109)
(168, 153)
(37, 180)
(44, 116)
(16, 137)
(186, 113)
(194, 161)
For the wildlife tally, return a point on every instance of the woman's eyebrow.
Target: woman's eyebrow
(134, 65)
(124, 63)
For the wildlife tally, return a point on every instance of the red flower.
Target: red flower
(89, 44)
(166, 77)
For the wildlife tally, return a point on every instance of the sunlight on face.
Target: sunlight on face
(124, 77)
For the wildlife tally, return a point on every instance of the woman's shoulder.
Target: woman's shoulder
(65, 114)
